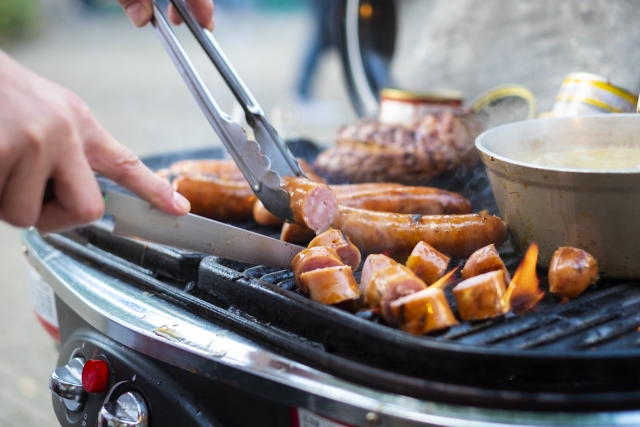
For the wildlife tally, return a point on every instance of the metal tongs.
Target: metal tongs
(263, 161)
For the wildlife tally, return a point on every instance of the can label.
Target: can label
(400, 107)
(303, 418)
(43, 301)
(582, 94)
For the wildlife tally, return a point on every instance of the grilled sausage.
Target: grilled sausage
(457, 236)
(483, 261)
(313, 204)
(423, 311)
(213, 198)
(338, 241)
(313, 259)
(294, 233)
(373, 263)
(384, 197)
(331, 285)
(481, 297)
(227, 168)
(427, 263)
(408, 200)
(571, 271)
(392, 283)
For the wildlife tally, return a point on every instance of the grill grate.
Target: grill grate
(559, 356)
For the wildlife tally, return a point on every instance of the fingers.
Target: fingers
(202, 10)
(141, 11)
(74, 204)
(21, 200)
(118, 163)
(138, 11)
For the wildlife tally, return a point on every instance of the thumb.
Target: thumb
(138, 11)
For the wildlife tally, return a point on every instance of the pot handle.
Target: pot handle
(505, 91)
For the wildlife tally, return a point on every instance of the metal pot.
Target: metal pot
(595, 210)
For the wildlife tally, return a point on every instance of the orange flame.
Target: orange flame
(524, 291)
(441, 282)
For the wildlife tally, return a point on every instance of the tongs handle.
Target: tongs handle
(282, 161)
(214, 52)
(263, 162)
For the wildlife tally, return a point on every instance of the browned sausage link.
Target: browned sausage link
(215, 198)
(387, 197)
(228, 169)
(338, 241)
(293, 233)
(313, 204)
(571, 271)
(457, 236)
(408, 200)
(348, 189)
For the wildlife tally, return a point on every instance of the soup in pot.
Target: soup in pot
(602, 158)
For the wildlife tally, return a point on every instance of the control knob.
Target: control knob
(66, 382)
(129, 410)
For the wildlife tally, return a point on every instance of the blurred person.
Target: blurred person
(46, 132)
(322, 41)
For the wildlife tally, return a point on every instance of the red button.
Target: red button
(95, 376)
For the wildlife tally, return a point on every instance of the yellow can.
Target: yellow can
(585, 93)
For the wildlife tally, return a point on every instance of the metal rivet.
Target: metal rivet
(373, 418)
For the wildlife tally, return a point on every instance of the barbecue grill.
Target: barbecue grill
(177, 338)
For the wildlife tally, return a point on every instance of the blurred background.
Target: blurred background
(128, 80)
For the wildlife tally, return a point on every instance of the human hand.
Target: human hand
(47, 132)
(140, 12)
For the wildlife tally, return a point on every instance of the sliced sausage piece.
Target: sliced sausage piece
(422, 312)
(392, 283)
(313, 259)
(571, 271)
(216, 199)
(457, 236)
(373, 263)
(313, 204)
(339, 242)
(294, 233)
(427, 263)
(408, 200)
(331, 285)
(483, 261)
(480, 297)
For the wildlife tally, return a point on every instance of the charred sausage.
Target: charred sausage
(423, 311)
(427, 263)
(571, 271)
(457, 236)
(313, 259)
(373, 263)
(481, 297)
(483, 261)
(331, 285)
(313, 204)
(392, 283)
(408, 200)
(338, 241)
(216, 199)
(385, 197)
